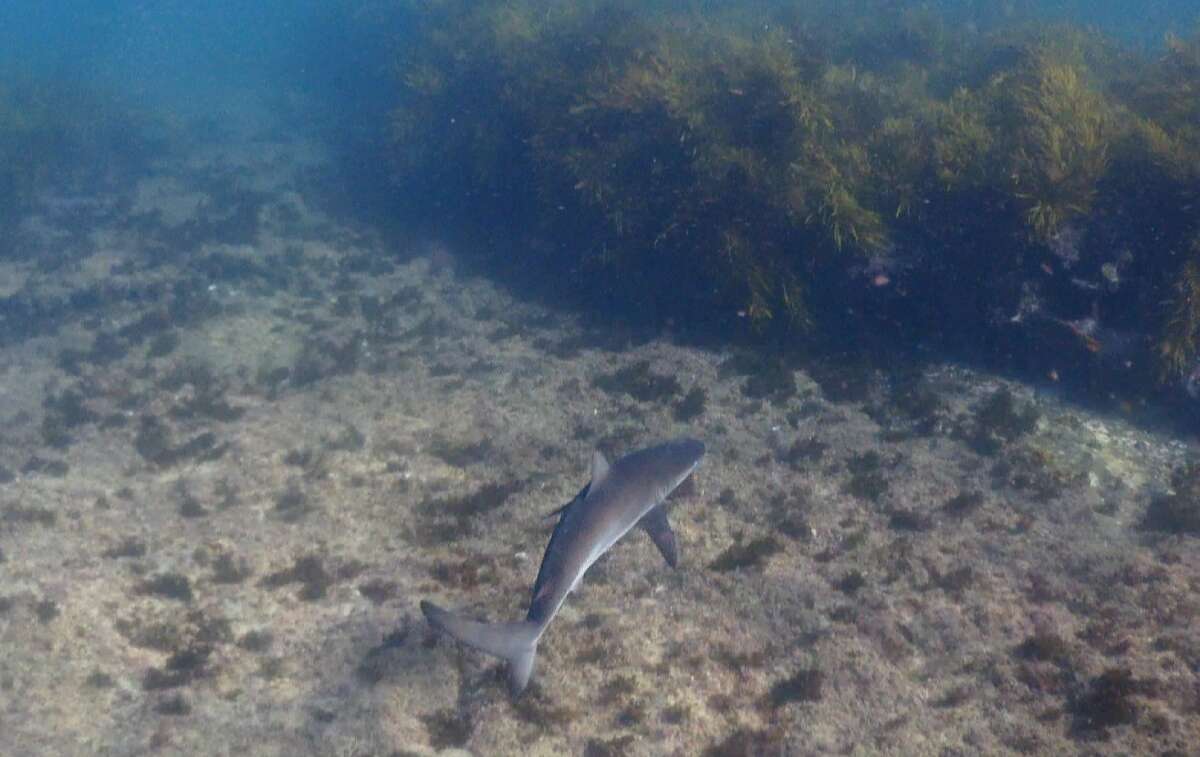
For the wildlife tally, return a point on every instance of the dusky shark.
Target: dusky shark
(627, 493)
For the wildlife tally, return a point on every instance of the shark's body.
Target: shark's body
(622, 495)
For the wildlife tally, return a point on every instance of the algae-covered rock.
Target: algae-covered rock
(1178, 511)
(749, 161)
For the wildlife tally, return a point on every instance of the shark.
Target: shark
(627, 493)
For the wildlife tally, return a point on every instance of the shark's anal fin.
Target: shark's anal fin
(655, 523)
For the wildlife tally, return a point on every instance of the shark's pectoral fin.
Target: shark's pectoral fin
(655, 523)
(600, 468)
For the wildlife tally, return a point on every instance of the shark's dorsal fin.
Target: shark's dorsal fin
(599, 468)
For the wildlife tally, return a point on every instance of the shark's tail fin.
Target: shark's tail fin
(515, 643)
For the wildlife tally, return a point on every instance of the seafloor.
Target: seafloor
(243, 438)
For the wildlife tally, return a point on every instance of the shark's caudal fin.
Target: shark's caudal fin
(515, 642)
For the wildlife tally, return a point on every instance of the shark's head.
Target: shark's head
(675, 461)
(684, 455)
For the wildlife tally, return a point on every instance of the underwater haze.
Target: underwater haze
(827, 372)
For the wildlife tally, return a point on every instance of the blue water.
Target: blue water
(166, 50)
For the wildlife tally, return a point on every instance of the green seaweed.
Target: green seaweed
(1037, 472)
(1064, 131)
(175, 705)
(465, 574)
(228, 569)
(378, 591)
(676, 714)
(963, 503)
(851, 583)
(375, 664)
(271, 668)
(17, 514)
(485, 499)
(765, 153)
(154, 443)
(616, 689)
(309, 572)
(460, 454)
(46, 610)
(742, 555)
(867, 480)
(446, 728)
(169, 586)
(805, 685)
(98, 679)
(844, 381)
(691, 406)
(163, 344)
(64, 412)
(39, 464)
(1177, 512)
(189, 505)
(903, 519)
(999, 420)
(732, 123)
(1109, 701)
(347, 439)
(803, 452)
(546, 712)
(179, 631)
(181, 669)
(748, 742)
(614, 747)
(640, 382)
(292, 504)
(1044, 646)
(1180, 335)
(954, 582)
(256, 641)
